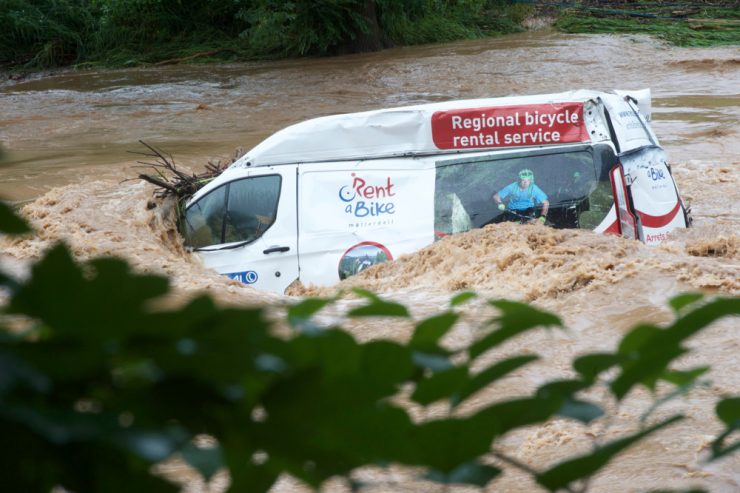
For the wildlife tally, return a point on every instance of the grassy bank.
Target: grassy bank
(43, 34)
(707, 23)
(40, 34)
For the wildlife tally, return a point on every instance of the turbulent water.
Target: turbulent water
(63, 150)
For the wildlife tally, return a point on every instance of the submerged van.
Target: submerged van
(327, 198)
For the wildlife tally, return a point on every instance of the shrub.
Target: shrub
(46, 33)
(96, 385)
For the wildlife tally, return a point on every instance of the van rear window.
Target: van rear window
(574, 184)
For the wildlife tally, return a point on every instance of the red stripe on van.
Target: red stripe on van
(613, 229)
(659, 221)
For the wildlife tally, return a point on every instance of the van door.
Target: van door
(625, 217)
(246, 229)
(356, 214)
(657, 204)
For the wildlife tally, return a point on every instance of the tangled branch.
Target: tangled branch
(171, 181)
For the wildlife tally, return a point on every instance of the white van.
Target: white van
(324, 199)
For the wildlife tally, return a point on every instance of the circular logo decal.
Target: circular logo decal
(362, 256)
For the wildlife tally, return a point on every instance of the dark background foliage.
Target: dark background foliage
(51, 33)
(48, 33)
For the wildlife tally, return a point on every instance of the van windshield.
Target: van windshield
(575, 185)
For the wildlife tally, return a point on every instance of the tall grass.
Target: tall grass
(309, 27)
(683, 24)
(46, 33)
(429, 21)
(49, 33)
(676, 31)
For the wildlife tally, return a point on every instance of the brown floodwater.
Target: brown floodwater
(64, 152)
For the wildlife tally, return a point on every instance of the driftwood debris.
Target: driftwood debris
(174, 182)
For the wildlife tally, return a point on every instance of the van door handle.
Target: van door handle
(276, 249)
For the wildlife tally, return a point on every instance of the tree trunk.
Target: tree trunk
(372, 38)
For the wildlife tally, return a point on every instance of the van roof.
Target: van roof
(446, 127)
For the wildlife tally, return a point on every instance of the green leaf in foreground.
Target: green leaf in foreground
(10, 223)
(377, 307)
(683, 300)
(207, 460)
(112, 384)
(582, 411)
(728, 410)
(432, 361)
(565, 473)
(515, 319)
(491, 374)
(380, 309)
(461, 298)
(108, 293)
(591, 365)
(428, 332)
(685, 377)
(440, 385)
(648, 350)
(445, 445)
(300, 313)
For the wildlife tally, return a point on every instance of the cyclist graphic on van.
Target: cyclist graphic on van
(524, 197)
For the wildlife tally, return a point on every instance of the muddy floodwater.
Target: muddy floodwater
(63, 153)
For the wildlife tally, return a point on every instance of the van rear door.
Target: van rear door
(626, 220)
(657, 204)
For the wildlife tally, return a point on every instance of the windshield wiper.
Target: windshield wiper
(227, 247)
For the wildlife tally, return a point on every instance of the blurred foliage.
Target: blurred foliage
(98, 383)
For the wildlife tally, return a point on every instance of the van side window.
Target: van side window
(601, 199)
(252, 207)
(574, 182)
(203, 222)
(239, 211)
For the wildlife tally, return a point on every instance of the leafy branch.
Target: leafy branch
(100, 387)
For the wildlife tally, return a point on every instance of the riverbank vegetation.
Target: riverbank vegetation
(39, 34)
(51, 33)
(703, 23)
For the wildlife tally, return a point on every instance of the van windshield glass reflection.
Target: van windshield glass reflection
(568, 190)
(238, 211)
